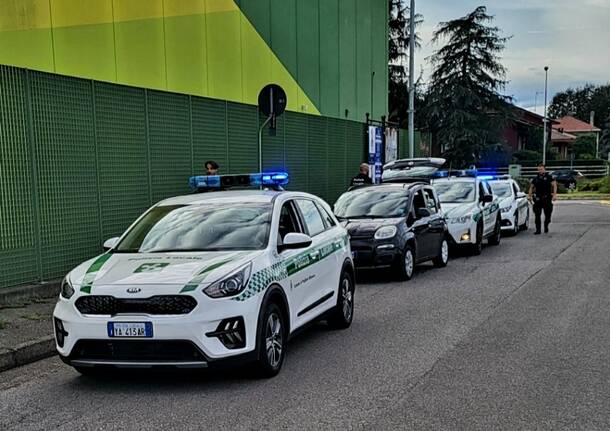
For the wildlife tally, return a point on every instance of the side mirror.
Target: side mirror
(521, 195)
(423, 212)
(487, 199)
(294, 241)
(110, 243)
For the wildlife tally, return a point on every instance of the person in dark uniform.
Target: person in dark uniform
(211, 167)
(543, 191)
(363, 177)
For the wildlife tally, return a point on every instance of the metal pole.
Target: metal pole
(260, 143)
(411, 79)
(545, 137)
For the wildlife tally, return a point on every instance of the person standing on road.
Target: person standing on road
(543, 191)
(211, 167)
(363, 177)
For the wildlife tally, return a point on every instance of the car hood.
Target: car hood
(138, 269)
(459, 209)
(367, 227)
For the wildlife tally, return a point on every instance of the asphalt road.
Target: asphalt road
(517, 338)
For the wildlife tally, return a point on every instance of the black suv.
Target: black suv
(394, 225)
(567, 177)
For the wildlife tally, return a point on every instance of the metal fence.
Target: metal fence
(80, 160)
(589, 169)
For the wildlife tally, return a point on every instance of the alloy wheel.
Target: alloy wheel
(347, 304)
(273, 340)
(409, 263)
(445, 251)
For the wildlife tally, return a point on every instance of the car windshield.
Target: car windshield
(372, 203)
(501, 189)
(209, 227)
(455, 191)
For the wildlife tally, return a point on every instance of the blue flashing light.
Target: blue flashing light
(440, 174)
(486, 177)
(227, 181)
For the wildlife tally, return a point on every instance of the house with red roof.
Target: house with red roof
(567, 129)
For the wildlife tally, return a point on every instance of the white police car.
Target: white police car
(209, 278)
(470, 207)
(513, 204)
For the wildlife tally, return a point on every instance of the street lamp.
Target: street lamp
(544, 139)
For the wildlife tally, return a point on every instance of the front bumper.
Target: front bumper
(507, 222)
(462, 234)
(180, 341)
(370, 253)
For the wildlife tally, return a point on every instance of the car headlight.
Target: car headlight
(66, 288)
(505, 209)
(231, 284)
(460, 220)
(386, 232)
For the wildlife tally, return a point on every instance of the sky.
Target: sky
(572, 37)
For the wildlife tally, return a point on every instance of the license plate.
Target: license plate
(130, 329)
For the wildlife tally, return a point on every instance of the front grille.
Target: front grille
(140, 350)
(161, 304)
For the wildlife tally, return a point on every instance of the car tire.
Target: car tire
(441, 259)
(477, 247)
(271, 341)
(406, 265)
(342, 315)
(495, 238)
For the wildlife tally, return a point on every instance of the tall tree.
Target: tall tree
(465, 111)
(580, 101)
(397, 58)
(604, 142)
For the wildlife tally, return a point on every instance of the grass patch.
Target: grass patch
(583, 196)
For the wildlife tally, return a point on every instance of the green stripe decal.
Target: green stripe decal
(281, 270)
(92, 272)
(201, 275)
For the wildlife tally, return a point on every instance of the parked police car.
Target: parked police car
(513, 204)
(210, 277)
(394, 225)
(467, 201)
(471, 209)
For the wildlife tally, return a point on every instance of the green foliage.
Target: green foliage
(601, 185)
(584, 147)
(580, 101)
(464, 109)
(527, 155)
(398, 55)
(604, 142)
(524, 183)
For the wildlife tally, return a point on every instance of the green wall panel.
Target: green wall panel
(347, 59)
(258, 13)
(329, 55)
(209, 123)
(308, 49)
(363, 57)
(140, 53)
(186, 54)
(296, 143)
(18, 240)
(243, 138)
(124, 188)
(317, 156)
(64, 150)
(273, 146)
(169, 144)
(380, 59)
(95, 155)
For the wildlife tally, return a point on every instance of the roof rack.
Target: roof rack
(263, 180)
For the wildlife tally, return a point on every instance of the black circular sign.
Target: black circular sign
(272, 100)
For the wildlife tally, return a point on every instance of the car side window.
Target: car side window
(481, 191)
(488, 188)
(328, 220)
(418, 202)
(516, 188)
(311, 217)
(289, 221)
(431, 203)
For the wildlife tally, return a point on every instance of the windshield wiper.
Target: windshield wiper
(368, 216)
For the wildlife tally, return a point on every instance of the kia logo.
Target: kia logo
(134, 290)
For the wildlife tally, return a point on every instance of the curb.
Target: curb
(27, 352)
(21, 294)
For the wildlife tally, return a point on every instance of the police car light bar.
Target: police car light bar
(271, 179)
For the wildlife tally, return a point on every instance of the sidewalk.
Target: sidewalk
(26, 330)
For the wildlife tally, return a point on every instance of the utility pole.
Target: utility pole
(412, 79)
(545, 136)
